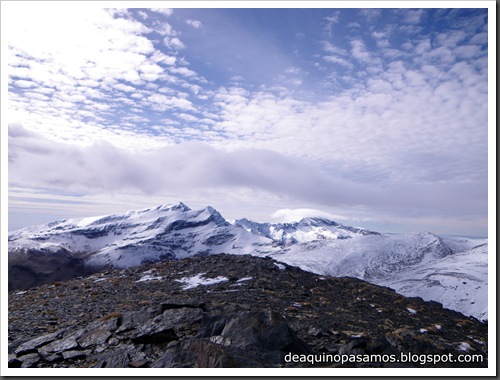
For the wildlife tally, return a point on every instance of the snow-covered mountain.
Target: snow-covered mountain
(304, 231)
(452, 271)
(134, 238)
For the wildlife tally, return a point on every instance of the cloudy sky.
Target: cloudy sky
(374, 117)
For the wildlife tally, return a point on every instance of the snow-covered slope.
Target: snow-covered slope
(458, 281)
(367, 256)
(449, 270)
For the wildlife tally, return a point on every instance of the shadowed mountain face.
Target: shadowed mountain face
(231, 311)
(452, 271)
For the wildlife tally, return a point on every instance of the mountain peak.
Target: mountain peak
(174, 207)
(216, 216)
(317, 221)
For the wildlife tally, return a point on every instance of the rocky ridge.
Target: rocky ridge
(227, 311)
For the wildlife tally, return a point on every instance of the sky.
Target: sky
(374, 117)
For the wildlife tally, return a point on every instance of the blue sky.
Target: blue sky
(374, 117)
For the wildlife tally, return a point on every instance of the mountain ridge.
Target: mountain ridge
(171, 232)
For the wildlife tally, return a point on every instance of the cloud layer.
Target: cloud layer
(194, 167)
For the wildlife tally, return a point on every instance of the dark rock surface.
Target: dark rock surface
(251, 312)
(28, 269)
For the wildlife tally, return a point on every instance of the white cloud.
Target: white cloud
(184, 71)
(150, 71)
(339, 61)
(379, 35)
(358, 51)
(188, 117)
(161, 102)
(370, 13)
(124, 87)
(164, 11)
(413, 16)
(381, 39)
(450, 39)
(330, 48)
(333, 18)
(295, 215)
(194, 23)
(468, 51)
(25, 83)
(159, 57)
(102, 166)
(480, 38)
(354, 25)
(331, 21)
(165, 29)
(173, 43)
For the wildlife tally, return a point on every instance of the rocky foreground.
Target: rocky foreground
(231, 311)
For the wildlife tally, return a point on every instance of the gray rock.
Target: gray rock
(185, 315)
(138, 364)
(14, 362)
(266, 329)
(355, 346)
(165, 328)
(112, 359)
(50, 357)
(94, 338)
(212, 325)
(32, 345)
(175, 358)
(178, 303)
(61, 345)
(401, 338)
(29, 360)
(211, 355)
(98, 332)
(75, 354)
(131, 320)
(106, 323)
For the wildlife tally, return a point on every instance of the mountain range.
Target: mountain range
(449, 270)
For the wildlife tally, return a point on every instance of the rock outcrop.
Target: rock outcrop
(230, 311)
